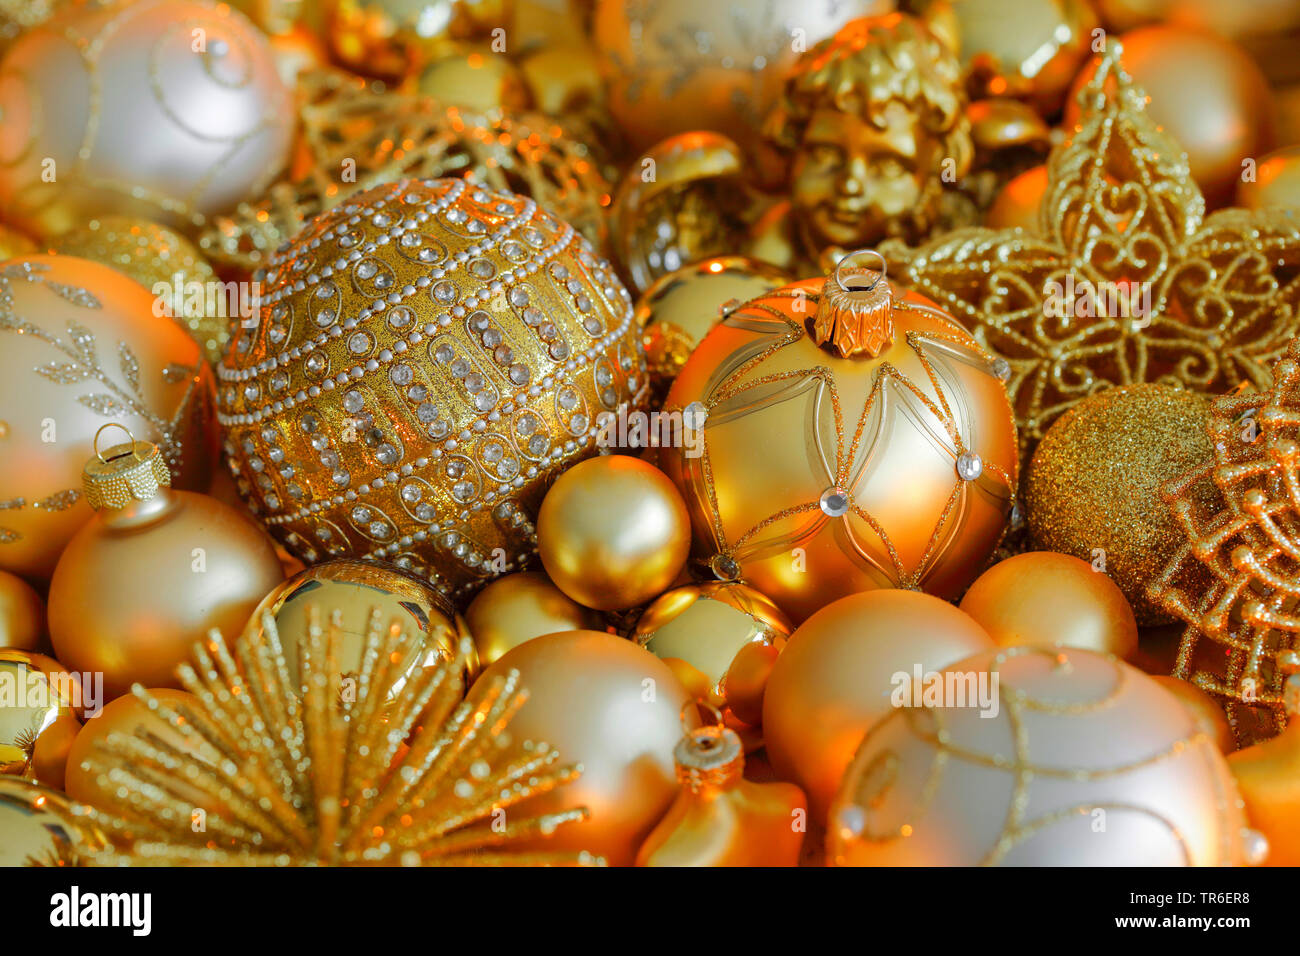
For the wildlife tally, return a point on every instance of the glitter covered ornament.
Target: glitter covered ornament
(430, 355)
(1093, 488)
(869, 447)
(170, 109)
(1086, 761)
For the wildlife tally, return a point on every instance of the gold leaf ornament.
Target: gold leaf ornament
(1127, 279)
(388, 766)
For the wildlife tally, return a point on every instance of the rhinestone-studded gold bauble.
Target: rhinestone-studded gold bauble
(429, 355)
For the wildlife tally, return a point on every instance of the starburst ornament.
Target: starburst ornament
(1236, 580)
(389, 766)
(1127, 279)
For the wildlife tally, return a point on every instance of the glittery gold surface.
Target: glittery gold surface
(1094, 482)
(154, 255)
(337, 770)
(429, 356)
(1121, 214)
(1239, 516)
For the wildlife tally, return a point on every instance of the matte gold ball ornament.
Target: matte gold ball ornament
(82, 347)
(614, 708)
(1093, 489)
(81, 92)
(22, 614)
(837, 675)
(430, 355)
(613, 532)
(870, 447)
(1046, 599)
(165, 263)
(518, 607)
(727, 632)
(1084, 761)
(152, 572)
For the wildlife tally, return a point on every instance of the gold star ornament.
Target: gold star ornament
(1126, 279)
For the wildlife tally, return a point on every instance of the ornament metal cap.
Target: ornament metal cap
(855, 314)
(711, 755)
(131, 471)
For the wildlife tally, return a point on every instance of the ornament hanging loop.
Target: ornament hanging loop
(129, 434)
(855, 314)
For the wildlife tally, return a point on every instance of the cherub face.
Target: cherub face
(851, 179)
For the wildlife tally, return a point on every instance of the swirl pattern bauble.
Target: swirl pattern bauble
(82, 93)
(429, 356)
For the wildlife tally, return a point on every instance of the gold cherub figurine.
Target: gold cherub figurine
(872, 123)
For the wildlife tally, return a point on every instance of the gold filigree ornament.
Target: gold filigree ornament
(353, 138)
(1241, 515)
(1127, 281)
(390, 766)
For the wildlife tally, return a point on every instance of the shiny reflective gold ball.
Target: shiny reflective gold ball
(519, 607)
(614, 708)
(1093, 488)
(725, 631)
(37, 827)
(1045, 599)
(836, 675)
(38, 704)
(613, 532)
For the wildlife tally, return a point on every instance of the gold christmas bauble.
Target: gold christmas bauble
(1244, 18)
(678, 310)
(38, 704)
(391, 38)
(130, 717)
(1207, 93)
(430, 355)
(164, 262)
(22, 614)
(1093, 485)
(38, 827)
(356, 590)
(519, 607)
(1017, 203)
(836, 676)
(1070, 758)
(1027, 49)
(82, 347)
(476, 78)
(152, 573)
(169, 109)
(613, 708)
(680, 65)
(613, 532)
(1275, 183)
(870, 447)
(1045, 599)
(725, 631)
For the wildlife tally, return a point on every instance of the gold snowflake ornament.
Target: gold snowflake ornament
(1236, 581)
(1126, 279)
(390, 766)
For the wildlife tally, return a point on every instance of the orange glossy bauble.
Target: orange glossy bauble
(613, 532)
(84, 347)
(151, 573)
(1016, 204)
(835, 678)
(128, 716)
(613, 707)
(1207, 93)
(1276, 183)
(1046, 599)
(821, 475)
(1268, 776)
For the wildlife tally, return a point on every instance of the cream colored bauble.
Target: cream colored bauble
(1039, 757)
(169, 109)
(80, 348)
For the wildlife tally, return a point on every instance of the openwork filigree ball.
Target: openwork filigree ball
(429, 355)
